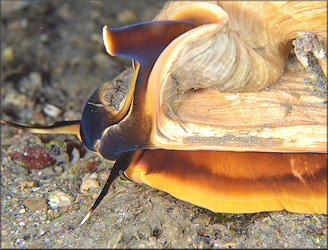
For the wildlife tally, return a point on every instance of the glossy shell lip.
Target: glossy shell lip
(200, 13)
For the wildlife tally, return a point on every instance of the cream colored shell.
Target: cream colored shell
(204, 86)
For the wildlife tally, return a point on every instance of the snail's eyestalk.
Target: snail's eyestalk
(122, 163)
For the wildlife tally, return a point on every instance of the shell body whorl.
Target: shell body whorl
(194, 82)
(258, 38)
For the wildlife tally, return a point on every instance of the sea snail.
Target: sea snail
(204, 114)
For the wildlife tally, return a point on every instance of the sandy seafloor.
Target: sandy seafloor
(53, 55)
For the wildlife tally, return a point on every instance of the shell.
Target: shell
(235, 53)
(251, 50)
(247, 54)
(184, 108)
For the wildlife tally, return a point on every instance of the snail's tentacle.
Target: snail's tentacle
(62, 127)
(122, 163)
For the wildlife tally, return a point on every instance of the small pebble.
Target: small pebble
(19, 242)
(59, 199)
(22, 211)
(8, 55)
(91, 166)
(58, 169)
(31, 83)
(93, 176)
(4, 233)
(44, 38)
(75, 155)
(24, 23)
(22, 223)
(15, 99)
(43, 217)
(51, 110)
(89, 183)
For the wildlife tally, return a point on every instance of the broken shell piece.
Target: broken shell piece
(59, 199)
(75, 155)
